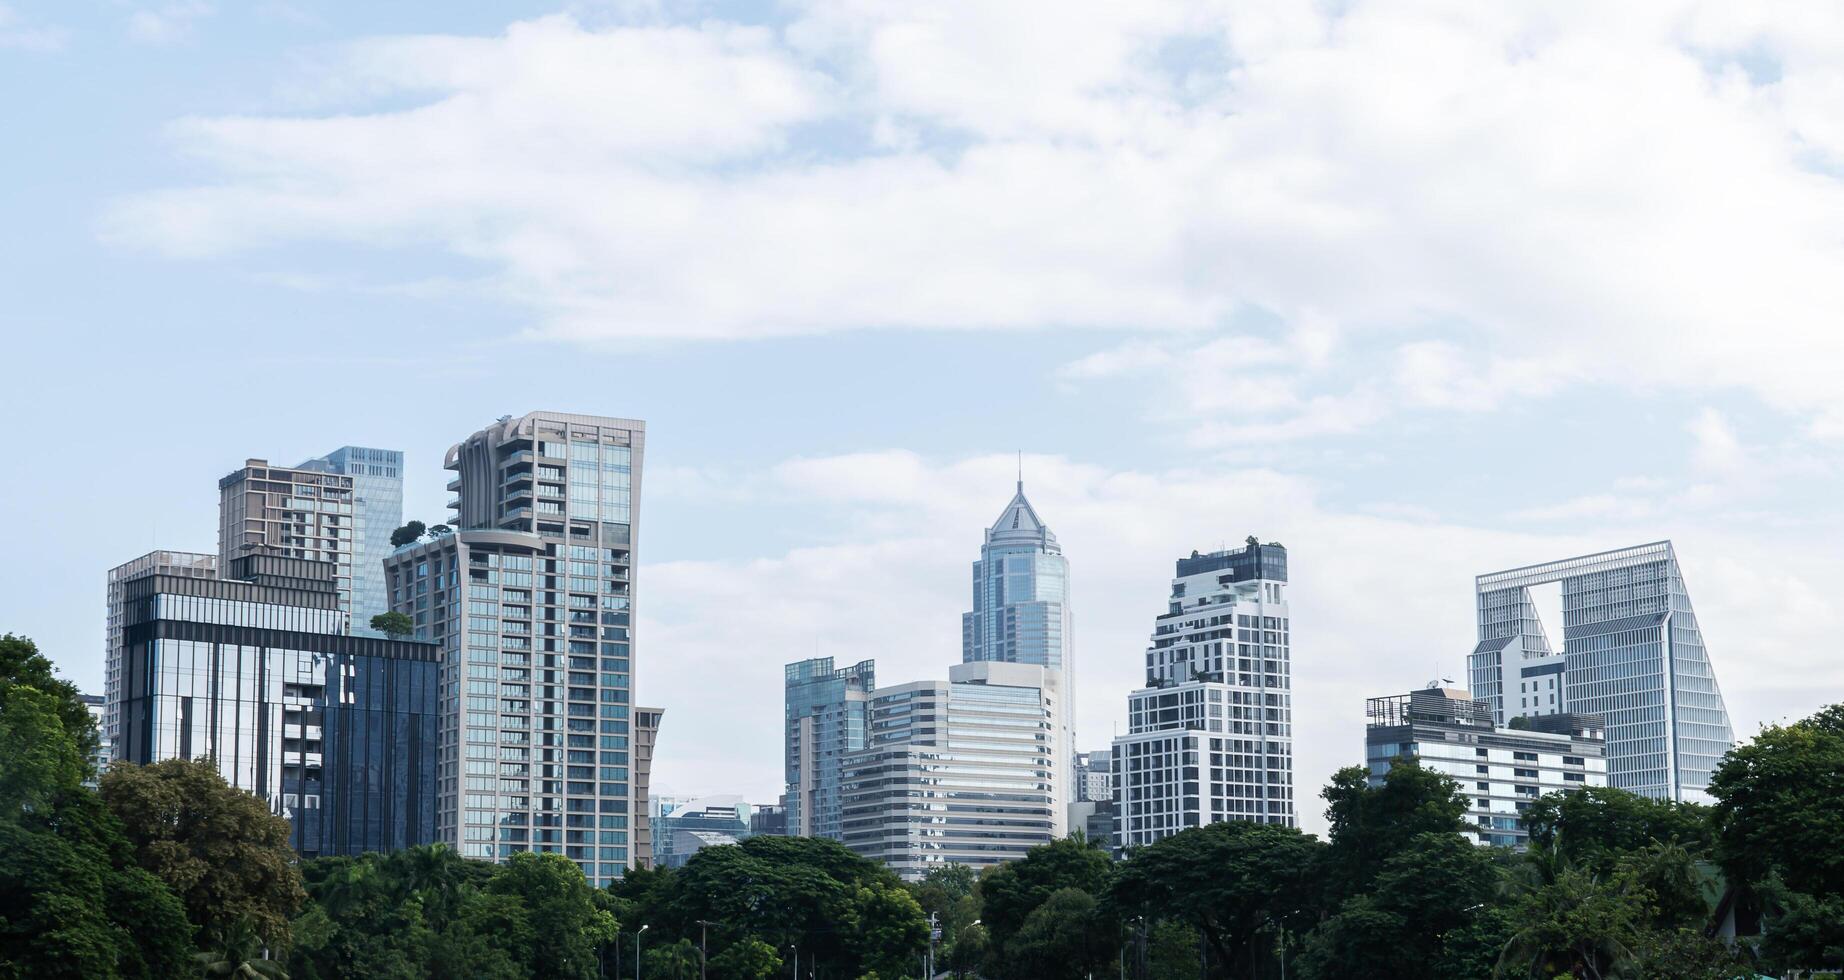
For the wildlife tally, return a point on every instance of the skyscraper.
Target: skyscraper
(254, 668)
(1021, 615)
(377, 491)
(281, 510)
(1632, 654)
(530, 599)
(957, 772)
(825, 719)
(174, 564)
(1210, 737)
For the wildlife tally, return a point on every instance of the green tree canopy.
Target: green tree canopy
(217, 847)
(1593, 827)
(567, 925)
(22, 665)
(1067, 937)
(1010, 892)
(1431, 889)
(1230, 881)
(1780, 805)
(393, 624)
(1368, 824)
(409, 533)
(72, 901)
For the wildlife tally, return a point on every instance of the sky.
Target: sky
(1419, 289)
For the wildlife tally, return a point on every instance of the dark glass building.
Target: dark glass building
(256, 670)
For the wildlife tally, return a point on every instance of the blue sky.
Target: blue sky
(1422, 290)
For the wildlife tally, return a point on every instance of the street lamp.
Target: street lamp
(637, 935)
(796, 948)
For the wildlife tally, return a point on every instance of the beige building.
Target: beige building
(292, 512)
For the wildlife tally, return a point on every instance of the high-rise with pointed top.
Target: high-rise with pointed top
(1021, 615)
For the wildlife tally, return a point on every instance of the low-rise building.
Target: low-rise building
(1500, 770)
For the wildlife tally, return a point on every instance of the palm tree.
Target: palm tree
(239, 953)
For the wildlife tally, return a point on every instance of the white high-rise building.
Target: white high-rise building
(1021, 615)
(1210, 737)
(957, 772)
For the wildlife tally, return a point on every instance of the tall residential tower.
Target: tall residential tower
(825, 719)
(530, 599)
(1021, 615)
(1210, 737)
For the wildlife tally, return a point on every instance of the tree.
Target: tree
(437, 530)
(1422, 894)
(1580, 926)
(1687, 954)
(239, 953)
(1231, 881)
(1802, 931)
(72, 901)
(748, 958)
(22, 665)
(409, 533)
(217, 847)
(891, 929)
(1010, 892)
(1064, 938)
(1368, 824)
(1593, 827)
(393, 624)
(1780, 805)
(567, 926)
(675, 961)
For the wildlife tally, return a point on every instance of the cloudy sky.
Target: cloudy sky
(1419, 289)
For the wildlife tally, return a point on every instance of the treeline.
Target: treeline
(166, 871)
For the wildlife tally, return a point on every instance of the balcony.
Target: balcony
(522, 457)
(454, 485)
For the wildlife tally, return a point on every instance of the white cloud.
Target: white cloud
(1570, 194)
(1380, 600)
(168, 23)
(20, 35)
(1718, 449)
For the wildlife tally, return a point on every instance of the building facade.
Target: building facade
(1021, 615)
(254, 669)
(531, 600)
(683, 827)
(1094, 777)
(1210, 737)
(1501, 770)
(1632, 655)
(279, 510)
(825, 720)
(172, 564)
(377, 498)
(768, 820)
(958, 772)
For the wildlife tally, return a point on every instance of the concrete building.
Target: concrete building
(956, 772)
(1021, 615)
(279, 510)
(1501, 770)
(1211, 735)
(825, 720)
(768, 820)
(254, 669)
(683, 827)
(171, 564)
(1094, 777)
(531, 600)
(377, 497)
(1632, 655)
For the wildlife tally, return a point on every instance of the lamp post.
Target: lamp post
(704, 929)
(796, 948)
(637, 935)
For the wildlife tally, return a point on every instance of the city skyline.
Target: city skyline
(1561, 287)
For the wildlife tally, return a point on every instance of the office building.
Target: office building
(377, 498)
(1094, 777)
(171, 564)
(768, 820)
(254, 668)
(103, 754)
(683, 827)
(824, 721)
(1021, 615)
(958, 772)
(1094, 819)
(1501, 770)
(530, 599)
(1632, 655)
(1210, 737)
(297, 513)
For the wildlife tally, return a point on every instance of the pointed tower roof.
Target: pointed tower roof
(1019, 524)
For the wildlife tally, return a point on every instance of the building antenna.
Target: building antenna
(1021, 469)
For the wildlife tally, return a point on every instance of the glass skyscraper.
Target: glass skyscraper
(1632, 654)
(530, 599)
(1021, 615)
(377, 491)
(825, 719)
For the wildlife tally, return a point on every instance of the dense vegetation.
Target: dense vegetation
(168, 872)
